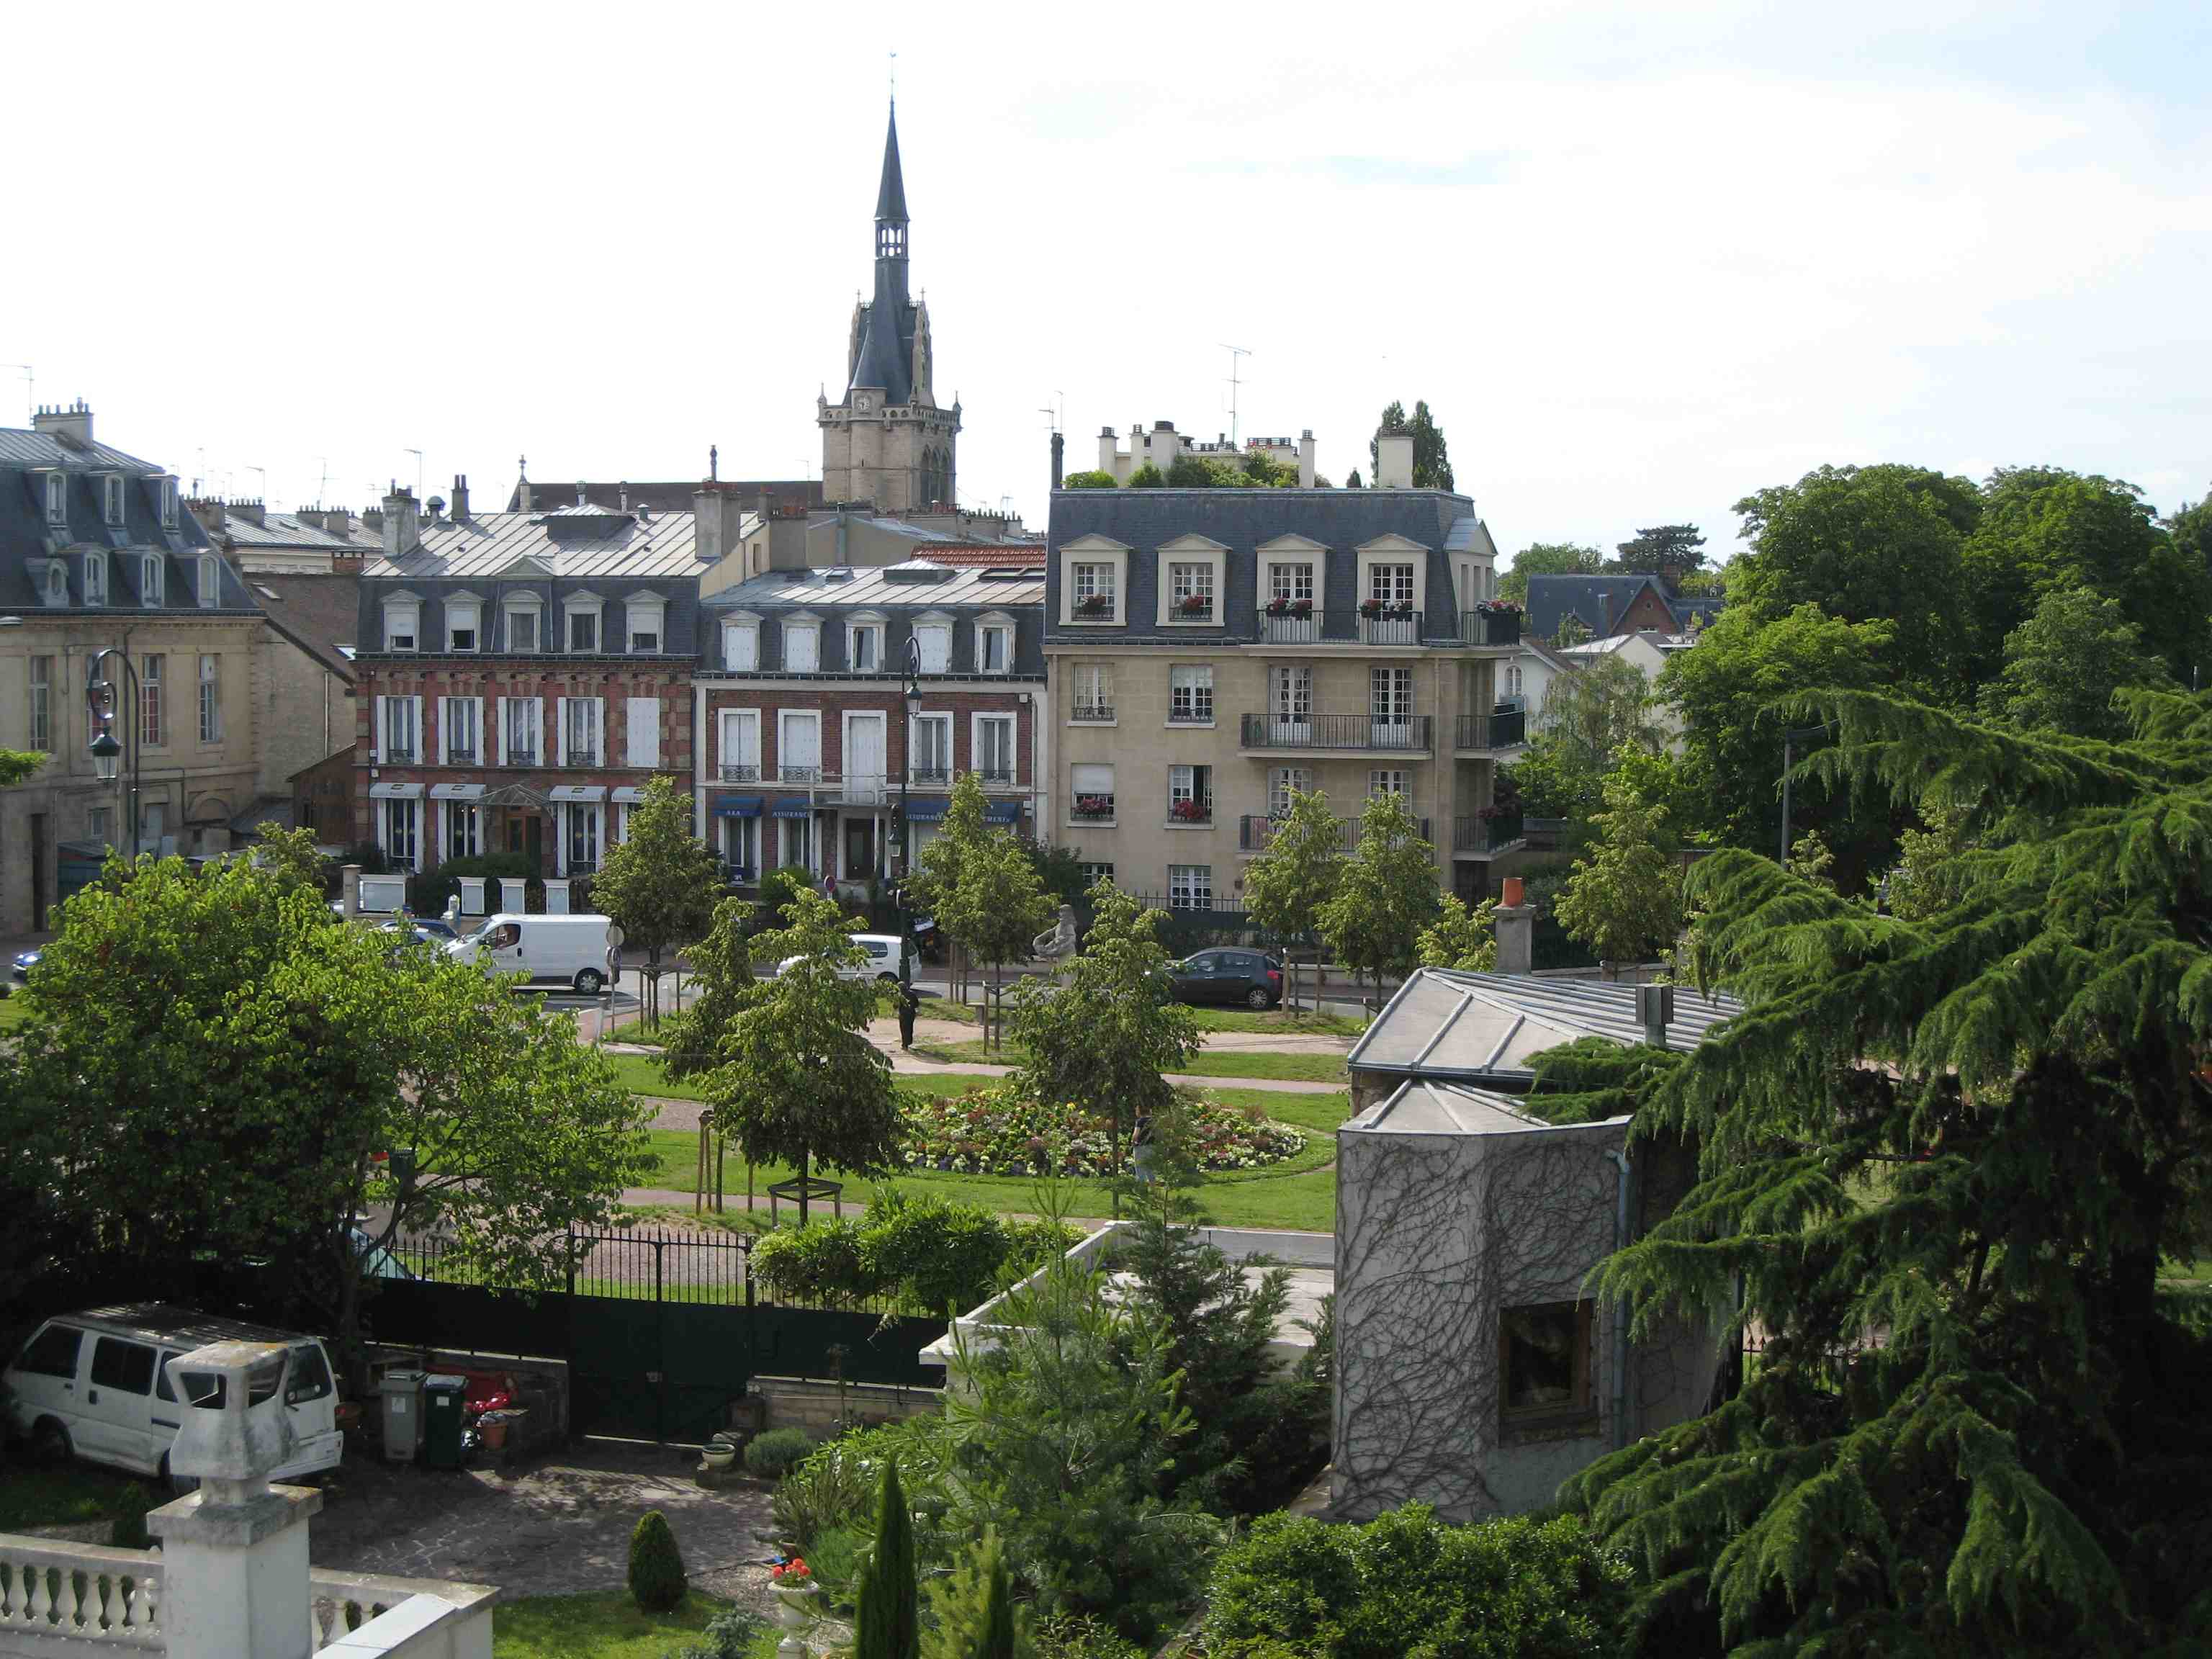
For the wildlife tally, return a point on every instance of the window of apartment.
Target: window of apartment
(1190, 886)
(1283, 783)
(1090, 790)
(211, 700)
(1292, 584)
(95, 578)
(211, 582)
(399, 729)
(802, 645)
(1092, 874)
(57, 498)
(741, 845)
(864, 647)
(738, 755)
(797, 837)
(1093, 588)
(169, 503)
(642, 715)
(1190, 795)
(460, 729)
(646, 613)
(1190, 592)
(1390, 695)
(994, 647)
(586, 821)
(111, 498)
(149, 580)
(464, 830)
(935, 638)
(1290, 694)
(582, 721)
(1094, 692)
(741, 645)
(1543, 1361)
(583, 626)
(56, 590)
(931, 750)
(1190, 694)
(464, 623)
(995, 749)
(522, 626)
(1392, 782)
(1390, 584)
(799, 745)
(1512, 682)
(42, 705)
(149, 702)
(521, 731)
(99, 824)
(399, 829)
(403, 619)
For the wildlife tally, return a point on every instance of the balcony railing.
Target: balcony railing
(1255, 833)
(787, 773)
(741, 772)
(1092, 809)
(1096, 608)
(461, 755)
(996, 777)
(1091, 711)
(1192, 608)
(930, 777)
(1189, 810)
(1392, 625)
(1504, 728)
(1401, 733)
(1289, 627)
(1485, 835)
(1191, 715)
(1489, 627)
(581, 757)
(399, 754)
(520, 757)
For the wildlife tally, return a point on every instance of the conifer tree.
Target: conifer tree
(973, 1611)
(1941, 1159)
(887, 1621)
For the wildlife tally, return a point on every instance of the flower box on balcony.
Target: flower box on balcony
(1301, 609)
(1373, 609)
(1098, 607)
(1497, 608)
(1191, 812)
(1194, 607)
(1093, 806)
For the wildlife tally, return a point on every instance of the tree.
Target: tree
(887, 1621)
(2191, 526)
(1393, 422)
(1102, 1037)
(997, 906)
(657, 1579)
(1286, 885)
(802, 1082)
(2062, 665)
(1431, 464)
(722, 985)
(1387, 895)
(1678, 547)
(289, 855)
(1547, 559)
(660, 886)
(1147, 476)
(1093, 479)
(1188, 471)
(974, 1615)
(1624, 900)
(958, 843)
(1573, 631)
(1351, 479)
(1940, 1161)
(17, 765)
(1460, 937)
(1601, 707)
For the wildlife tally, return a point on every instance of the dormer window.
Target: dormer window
(210, 581)
(464, 621)
(994, 645)
(111, 497)
(741, 645)
(934, 635)
(802, 645)
(169, 503)
(149, 580)
(58, 498)
(522, 633)
(403, 623)
(864, 645)
(95, 578)
(582, 612)
(646, 613)
(54, 590)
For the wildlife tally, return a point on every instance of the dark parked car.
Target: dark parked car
(1244, 977)
(25, 961)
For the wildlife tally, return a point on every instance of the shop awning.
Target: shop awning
(457, 792)
(927, 809)
(629, 795)
(737, 806)
(579, 792)
(395, 791)
(1003, 812)
(793, 806)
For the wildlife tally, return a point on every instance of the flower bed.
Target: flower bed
(995, 1131)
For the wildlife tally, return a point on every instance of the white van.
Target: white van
(881, 963)
(96, 1385)
(571, 950)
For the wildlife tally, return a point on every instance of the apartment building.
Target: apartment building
(809, 742)
(1209, 651)
(1161, 445)
(521, 676)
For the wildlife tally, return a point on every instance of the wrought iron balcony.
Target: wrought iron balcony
(1483, 835)
(741, 772)
(996, 777)
(1091, 711)
(581, 757)
(1091, 808)
(800, 773)
(1503, 728)
(1255, 833)
(1192, 608)
(520, 757)
(1189, 810)
(1404, 733)
(395, 754)
(930, 777)
(461, 755)
(1388, 625)
(1489, 627)
(1289, 626)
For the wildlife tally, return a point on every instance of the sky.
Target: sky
(1640, 262)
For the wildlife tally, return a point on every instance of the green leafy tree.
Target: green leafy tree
(1941, 1159)
(1624, 899)
(289, 855)
(657, 1579)
(802, 1082)
(1286, 885)
(1460, 938)
(974, 1614)
(1093, 479)
(958, 843)
(1147, 476)
(1351, 479)
(1661, 547)
(722, 981)
(1392, 422)
(661, 885)
(2191, 526)
(887, 1621)
(1102, 1036)
(1431, 463)
(1602, 707)
(2063, 664)
(1547, 559)
(1573, 631)
(1188, 471)
(17, 765)
(997, 906)
(1373, 922)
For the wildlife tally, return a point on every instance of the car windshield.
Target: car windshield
(483, 933)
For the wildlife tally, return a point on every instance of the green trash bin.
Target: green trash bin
(441, 1420)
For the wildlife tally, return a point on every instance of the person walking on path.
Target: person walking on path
(910, 1005)
(1140, 1145)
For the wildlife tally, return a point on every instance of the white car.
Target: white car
(881, 965)
(565, 949)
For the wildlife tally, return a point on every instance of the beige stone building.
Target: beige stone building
(1209, 651)
(1161, 445)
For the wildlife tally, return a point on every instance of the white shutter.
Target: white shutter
(560, 731)
(445, 729)
(598, 723)
(645, 731)
(1093, 780)
(376, 738)
(499, 708)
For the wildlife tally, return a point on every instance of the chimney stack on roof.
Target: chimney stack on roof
(209, 511)
(253, 512)
(1394, 460)
(460, 497)
(1058, 457)
(1306, 460)
(402, 523)
(70, 427)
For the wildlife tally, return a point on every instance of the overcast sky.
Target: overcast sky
(1638, 262)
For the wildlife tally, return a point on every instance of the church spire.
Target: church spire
(891, 199)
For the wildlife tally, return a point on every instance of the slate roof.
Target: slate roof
(908, 587)
(890, 194)
(19, 447)
(289, 531)
(666, 495)
(604, 543)
(319, 611)
(1553, 598)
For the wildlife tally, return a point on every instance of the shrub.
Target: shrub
(775, 1454)
(887, 1622)
(1406, 1582)
(826, 1262)
(830, 1489)
(973, 1615)
(1084, 1639)
(942, 1255)
(997, 1131)
(656, 1565)
(733, 1633)
(835, 1560)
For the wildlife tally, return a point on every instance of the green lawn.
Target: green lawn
(1245, 1019)
(1294, 1068)
(606, 1625)
(13, 1012)
(32, 1496)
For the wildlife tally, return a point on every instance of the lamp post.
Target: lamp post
(913, 699)
(106, 752)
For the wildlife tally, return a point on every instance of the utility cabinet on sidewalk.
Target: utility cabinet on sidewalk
(442, 1397)
(402, 1391)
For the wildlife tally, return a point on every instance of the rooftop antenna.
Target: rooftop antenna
(323, 489)
(30, 390)
(894, 80)
(1235, 353)
(264, 471)
(418, 454)
(202, 474)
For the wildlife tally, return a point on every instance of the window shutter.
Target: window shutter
(645, 731)
(561, 731)
(1093, 780)
(376, 738)
(498, 706)
(445, 728)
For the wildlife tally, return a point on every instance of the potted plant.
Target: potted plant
(1370, 609)
(1190, 811)
(1195, 604)
(1497, 608)
(1302, 608)
(1095, 605)
(796, 1593)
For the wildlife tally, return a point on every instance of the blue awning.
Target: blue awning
(793, 806)
(927, 809)
(737, 806)
(1003, 812)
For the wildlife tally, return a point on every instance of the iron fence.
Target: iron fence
(1504, 728)
(1401, 732)
(1489, 627)
(1393, 624)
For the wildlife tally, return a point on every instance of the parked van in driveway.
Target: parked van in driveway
(881, 963)
(571, 950)
(96, 1385)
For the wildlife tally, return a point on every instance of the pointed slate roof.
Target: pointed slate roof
(890, 196)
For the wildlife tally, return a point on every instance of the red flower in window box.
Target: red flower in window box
(1095, 604)
(1195, 604)
(1191, 812)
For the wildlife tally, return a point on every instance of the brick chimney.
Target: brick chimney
(1058, 457)
(460, 497)
(716, 521)
(209, 511)
(402, 523)
(70, 427)
(254, 512)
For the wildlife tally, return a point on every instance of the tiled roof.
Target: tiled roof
(606, 543)
(1552, 597)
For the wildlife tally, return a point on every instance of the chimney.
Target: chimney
(1605, 600)
(461, 497)
(70, 427)
(715, 524)
(1394, 460)
(1306, 460)
(522, 482)
(373, 520)
(403, 525)
(209, 511)
(253, 512)
(1058, 457)
(337, 521)
(621, 495)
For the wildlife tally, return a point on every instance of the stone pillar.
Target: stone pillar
(472, 895)
(349, 890)
(556, 896)
(1517, 938)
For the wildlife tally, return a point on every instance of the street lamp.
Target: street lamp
(905, 828)
(106, 752)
